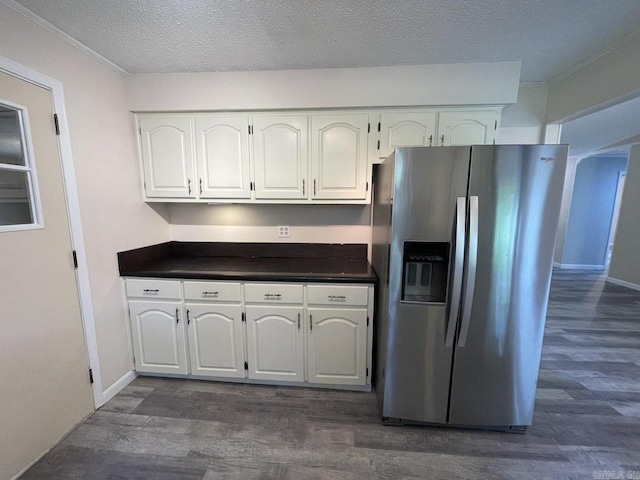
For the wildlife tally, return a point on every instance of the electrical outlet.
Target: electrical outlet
(284, 231)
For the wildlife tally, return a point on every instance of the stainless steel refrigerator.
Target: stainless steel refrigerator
(463, 241)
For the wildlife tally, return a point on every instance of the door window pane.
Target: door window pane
(17, 174)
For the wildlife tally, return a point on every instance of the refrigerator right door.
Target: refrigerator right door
(514, 204)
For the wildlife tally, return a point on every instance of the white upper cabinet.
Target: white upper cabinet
(406, 129)
(167, 156)
(339, 156)
(281, 156)
(467, 128)
(222, 152)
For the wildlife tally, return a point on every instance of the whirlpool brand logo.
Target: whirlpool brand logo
(547, 159)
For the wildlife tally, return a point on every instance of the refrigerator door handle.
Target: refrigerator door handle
(458, 259)
(472, 261)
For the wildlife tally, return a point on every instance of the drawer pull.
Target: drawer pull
(177, 317)
(210, 293)
(272, 295)
(337, 297)
(149, 290)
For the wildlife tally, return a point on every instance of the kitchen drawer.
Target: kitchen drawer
(214, 291)
(272, 293)
(143, 288)
(337, 295)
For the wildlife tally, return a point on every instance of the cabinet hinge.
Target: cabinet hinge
(91, 375)
(367, 188)
(251, 186)
(367, 321)
(378, 144)
(140, 131)
(379, 126)
(243, 317)
(246, 365)
(75, 259)
(56, 123)
(495, 126)
(367, 372)
(368, 128)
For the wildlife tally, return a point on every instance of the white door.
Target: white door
(158, 333)
(281, 154)
(337, 346)
(222, 152)
(167, 157)
(339, 156)
(44, 366)
(467, 128)
(275, 343)
(215, 339)
(406, 129)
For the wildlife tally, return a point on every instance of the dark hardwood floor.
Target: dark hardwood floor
(586, 425)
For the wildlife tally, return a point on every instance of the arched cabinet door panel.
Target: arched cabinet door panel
(337, 342)
(406, 129)
(281, 155)
(467, 128)
(339, 156)
(215, 340)
(158, 333)
(222, 152)
(275, 343)
(167, 157)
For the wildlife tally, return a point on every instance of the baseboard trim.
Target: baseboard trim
(117, 387)
(622, 283)
(572, 266)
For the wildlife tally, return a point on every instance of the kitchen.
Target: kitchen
(115, 219)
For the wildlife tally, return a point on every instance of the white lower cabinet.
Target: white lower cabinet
(337, 345)
(275, 343)
(267, 332)
(158, 334)
(215, 340)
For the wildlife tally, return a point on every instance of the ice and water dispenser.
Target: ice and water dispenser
(425, 272)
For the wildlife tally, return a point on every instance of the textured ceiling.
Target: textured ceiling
(548, 36)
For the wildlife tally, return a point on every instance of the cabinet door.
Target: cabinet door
(275, 343)
(215, 340)
(339, 156)
(167, 156)
(281, 155)
(467, 128)
(406, 129)
(158, 334)
(337, 346)
(222, 152)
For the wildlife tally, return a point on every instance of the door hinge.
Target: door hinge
(246, 365)
(56, 123)
(75, 259)
(91, 375)
(243, 317)
(367, 372)
(368, 128)
(367, 321)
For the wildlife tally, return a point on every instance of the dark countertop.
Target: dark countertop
(250, 261)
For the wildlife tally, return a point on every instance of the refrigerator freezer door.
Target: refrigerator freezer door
(417, 369)
(495, 373)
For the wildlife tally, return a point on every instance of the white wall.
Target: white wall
(450, 84)
(104, 150)
(611, 79)
(625, 264)
(524, 121)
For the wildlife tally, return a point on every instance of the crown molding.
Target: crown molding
(597, 56)
(25, 12)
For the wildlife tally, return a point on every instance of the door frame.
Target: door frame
(73, 212)
(622, 174)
